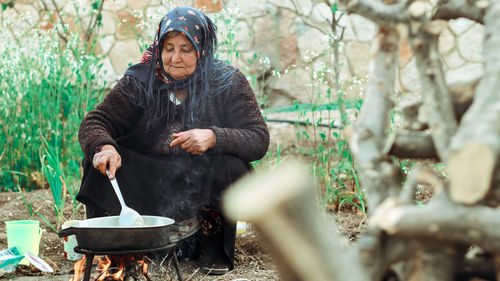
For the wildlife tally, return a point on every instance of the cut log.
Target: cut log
(479, 131)
(280, 205)
(441, 220)
(470, 170)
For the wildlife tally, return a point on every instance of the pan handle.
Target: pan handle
(66, 232)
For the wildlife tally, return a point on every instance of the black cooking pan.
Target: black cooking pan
(105, 234)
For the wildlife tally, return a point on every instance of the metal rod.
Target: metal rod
(88, 267)
(147, 277)
(176, 264)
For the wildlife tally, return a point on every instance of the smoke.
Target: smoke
(174, 185)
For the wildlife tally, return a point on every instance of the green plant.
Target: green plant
(58, 181)
(227, 23)
(262, 86)
(49, 82)
(32, 211)
(326, 115)
(7, 4)
(271, 160)
(53, 173)
(47, 86)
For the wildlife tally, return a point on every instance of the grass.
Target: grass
(322, 142)
(48, 84)
(47, 87)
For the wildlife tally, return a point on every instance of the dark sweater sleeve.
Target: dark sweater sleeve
(245, 132)
(112, 118)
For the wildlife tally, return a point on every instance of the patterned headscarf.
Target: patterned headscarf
(191, 23)
(201, 32)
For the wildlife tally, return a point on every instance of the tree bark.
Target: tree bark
(453, 9)
(369, 137)
(437, 100)
(433, 262)
(428, 241)
(380, 13)
(412, 144)
(475, 148)
(441, 220)
(461, 97)
(307, 246)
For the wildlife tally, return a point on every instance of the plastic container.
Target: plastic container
(25, 235)
(70, 243)
(242, 227)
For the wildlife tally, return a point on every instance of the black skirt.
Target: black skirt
(174, 186)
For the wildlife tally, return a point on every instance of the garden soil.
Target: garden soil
(252, 260)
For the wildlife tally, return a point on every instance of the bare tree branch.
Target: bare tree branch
(437, 99)
(63, 38)
(381, 252)
(441, 220)
(93, 21)
(418, 176)
(435, 261)
(305, 18)
(378, 12)
(476, 146)
(453, 9)
(461, 96)
(429, 241)
(370, 132)
(412, 144)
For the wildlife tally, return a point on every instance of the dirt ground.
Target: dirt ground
(252, 260)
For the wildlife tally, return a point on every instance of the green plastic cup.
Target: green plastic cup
(24, 234)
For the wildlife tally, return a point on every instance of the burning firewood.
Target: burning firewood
(121, 267)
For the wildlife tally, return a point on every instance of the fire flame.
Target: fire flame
(103, 269)
(106, 272)
(144, 267)
(79, 267)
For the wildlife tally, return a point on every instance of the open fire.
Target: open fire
(123, 268)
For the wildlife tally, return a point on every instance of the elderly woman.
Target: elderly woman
(176, 130)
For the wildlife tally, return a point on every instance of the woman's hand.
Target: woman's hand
(195, 141)
(108, 156)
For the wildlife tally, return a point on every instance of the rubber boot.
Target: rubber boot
(213, 259)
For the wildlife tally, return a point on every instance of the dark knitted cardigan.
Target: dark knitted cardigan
(234, 116)
(177, 183)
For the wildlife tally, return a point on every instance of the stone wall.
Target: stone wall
(282, 44)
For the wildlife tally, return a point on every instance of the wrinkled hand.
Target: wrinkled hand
(107, 157)
(195, 141)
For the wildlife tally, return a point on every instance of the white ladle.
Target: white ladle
(128, 216)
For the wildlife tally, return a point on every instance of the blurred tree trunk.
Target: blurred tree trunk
(462, 131)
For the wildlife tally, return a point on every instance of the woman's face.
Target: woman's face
(178, 56)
